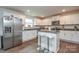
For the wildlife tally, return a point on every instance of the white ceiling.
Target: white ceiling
(41, 10)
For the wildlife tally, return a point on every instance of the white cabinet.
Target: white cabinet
(75, 36)
(61, 35)
(49, 41)
(65, 20)
(52, 45)
(62, 19)
(29, 35)
(74, 18)
(46, 21)
(66, 35)
(55, 18)
(44, 42)
(37, 21)
(69, 19)
(70, 36)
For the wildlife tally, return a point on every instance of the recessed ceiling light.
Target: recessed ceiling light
(63, 10)
(28, 10)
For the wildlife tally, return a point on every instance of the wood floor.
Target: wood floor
(30, 47)
(67, 47)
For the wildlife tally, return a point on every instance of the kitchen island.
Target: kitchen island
(48, 41)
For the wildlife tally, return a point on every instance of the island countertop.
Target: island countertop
(31, 29)
(52, 31)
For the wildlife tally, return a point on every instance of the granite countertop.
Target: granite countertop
(52, 31)
(31, 29)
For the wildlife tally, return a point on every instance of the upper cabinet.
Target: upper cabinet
(65, 19)
(69, 19)
(46, 21)
(55, 18)
(37, 21)
(74, 18)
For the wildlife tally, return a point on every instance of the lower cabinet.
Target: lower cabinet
(29, 35)
(70, 36)
(75, 37)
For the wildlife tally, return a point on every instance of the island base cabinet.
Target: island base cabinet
(54, 45)
(42, 42)
(48, 44)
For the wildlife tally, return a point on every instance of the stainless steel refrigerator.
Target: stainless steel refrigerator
(11, 31)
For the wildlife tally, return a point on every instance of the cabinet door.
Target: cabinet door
(53, 19)
(68, 35)
(57, 18)
(52, 45)
(44, 42)
(67, 20)
(74, 19)
(62, 20)
(76, 36)
(61, 34)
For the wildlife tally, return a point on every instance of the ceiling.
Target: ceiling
(41, 10)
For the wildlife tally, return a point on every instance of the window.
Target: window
(29, 23)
